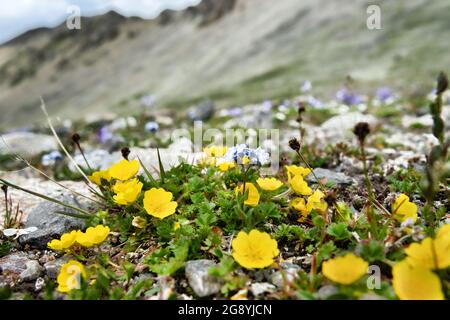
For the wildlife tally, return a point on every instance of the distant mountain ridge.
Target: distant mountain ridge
(232, 51)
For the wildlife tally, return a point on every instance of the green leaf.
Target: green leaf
(162, 173)
(338, 231)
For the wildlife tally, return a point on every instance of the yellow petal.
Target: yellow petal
(158, 203)
(415, 282)
(269, 184)
(253, 194)
(316, 202)
(124, 169)
(300, 186)
(404, 209)
(70, 275)
(294, 170)
(345, 270)
(254, 250)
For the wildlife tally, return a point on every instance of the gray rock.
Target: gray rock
(326, 291)
(258, 288)
(202, 112)
(199, 279)
(290, 271)
(52, 268)
(51, 224)
(330, 176)
(32, 272)
(12, 266)
(26, 144)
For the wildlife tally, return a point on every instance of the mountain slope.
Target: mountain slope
(233, 51)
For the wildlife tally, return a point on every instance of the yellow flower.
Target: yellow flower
(158, 203)
(346, 269)
(403, 209)
(269, 184)
(127, 191)
(65, 242)
(98, 176)
(300, 186)
(254, 250)
(431, 253)
(225, 166)
(139, 222)
(294, 170)
(69, 277)
(253, 194)
(245, 160)
(415, 282)
(124, 169)
(176, 226)
(215, 151)
(300, 205)
(316, 202)
(93, 236)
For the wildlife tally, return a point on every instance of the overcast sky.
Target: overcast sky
(18, 16)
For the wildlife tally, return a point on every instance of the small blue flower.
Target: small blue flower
(151, 126)
(347, 97)
(104, 134)
(51, 158)
(383, 94)
(237, 153)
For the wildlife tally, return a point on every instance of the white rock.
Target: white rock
(26, 144)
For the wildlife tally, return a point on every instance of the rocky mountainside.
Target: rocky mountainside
(232, 51)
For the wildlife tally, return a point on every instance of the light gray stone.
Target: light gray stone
(330, 176)
(289, 274)
(12, 266)
(32, 272)
(26, 144)
(199, 279)
(52, 268)
(258, 288)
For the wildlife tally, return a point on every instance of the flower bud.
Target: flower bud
(294, 144)
(361, 130)
(76, 138)
(442, 83)
(125, 152)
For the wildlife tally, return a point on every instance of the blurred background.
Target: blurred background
(176, 53)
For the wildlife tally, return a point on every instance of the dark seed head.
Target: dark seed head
(125, 152)
(5, 188)
(294, 144)
(442, 83)
(76, 138)
(361, 130)
(300, 111)
(330, 198)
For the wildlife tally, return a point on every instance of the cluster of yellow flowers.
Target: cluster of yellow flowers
(253, 196)
(157, 201)
(93, 236)
(315, 201)
(413, 278)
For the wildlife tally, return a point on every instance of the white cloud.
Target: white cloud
(21, 15)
